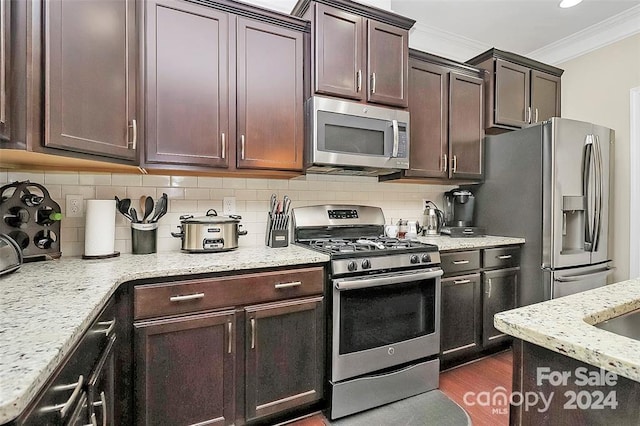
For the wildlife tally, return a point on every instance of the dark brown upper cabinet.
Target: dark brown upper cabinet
(446, 106)
(232, 102)
(270, 116)
(90, 71)
(518, 91)
(359, 52)
(187, 102)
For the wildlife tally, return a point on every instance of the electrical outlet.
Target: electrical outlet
(424, 203)
(74, 206)
(228, 205)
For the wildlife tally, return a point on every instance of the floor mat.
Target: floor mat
(429, 408)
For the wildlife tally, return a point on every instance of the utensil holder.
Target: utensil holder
(143, 238)
(277, 233)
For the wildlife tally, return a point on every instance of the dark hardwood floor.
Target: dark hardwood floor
(480, 381)
(477, 380)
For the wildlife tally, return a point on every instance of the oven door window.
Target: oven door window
(385, 315)
(350, 134)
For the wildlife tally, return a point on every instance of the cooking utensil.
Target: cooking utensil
(134, 215)
(209, 233)
(123, 207)
(161, 208)
(432, 219)
(148, 208)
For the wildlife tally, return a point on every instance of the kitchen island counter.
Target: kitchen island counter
(564, 325)
(47, 306)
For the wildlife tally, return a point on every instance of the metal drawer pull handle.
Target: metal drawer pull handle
(489, 289)
(359, 78)
(134, 131)
(505, 256)
(445, 163)
(460, 262)
(63, 408)
(242, 147)
(186, 297)
(288, 285)
(373, 83)
(224, 146)
(253, 333)
(94, 422)
(110, 326)
(230, 328)
(462, 281)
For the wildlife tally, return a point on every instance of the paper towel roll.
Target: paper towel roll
(100, 228)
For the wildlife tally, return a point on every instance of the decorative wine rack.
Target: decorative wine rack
(32, 219)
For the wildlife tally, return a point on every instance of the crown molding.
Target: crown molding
(611, 30)
(443, 43)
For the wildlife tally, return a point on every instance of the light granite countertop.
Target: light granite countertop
(447, 243)
(47, 306)
(564, 325)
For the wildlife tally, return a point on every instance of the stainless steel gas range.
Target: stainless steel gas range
(384, 306)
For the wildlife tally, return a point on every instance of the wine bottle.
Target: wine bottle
(47, 216)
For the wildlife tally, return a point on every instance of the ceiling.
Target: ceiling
(519, 26)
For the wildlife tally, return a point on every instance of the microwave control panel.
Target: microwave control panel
(402, 142)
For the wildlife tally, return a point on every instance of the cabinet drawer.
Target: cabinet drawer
(153, 300)
(502, 257)
(452, 263)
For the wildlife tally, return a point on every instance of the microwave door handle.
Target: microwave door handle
(396, 137)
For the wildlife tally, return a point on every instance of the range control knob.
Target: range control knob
(351, 266)
(414, 258)
(426, 258)
(366, 264)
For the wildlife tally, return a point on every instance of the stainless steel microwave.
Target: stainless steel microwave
(353, 138)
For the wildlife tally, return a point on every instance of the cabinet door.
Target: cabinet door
(5, 53)
(339, 53)
(499, 294)
(512, 94)
(90, 77)
(466, 133)
(185, 370)
(270, 116)
(285, 356)
(387, 59)
(429, 106)
(460, 315)
(545, 96)
(187, 57)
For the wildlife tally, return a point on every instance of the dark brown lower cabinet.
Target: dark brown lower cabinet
(185, 370)
(499, 294)
(460, 322)
(476, 285)
(284, 356)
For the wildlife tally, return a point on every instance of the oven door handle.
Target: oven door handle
(387, 280)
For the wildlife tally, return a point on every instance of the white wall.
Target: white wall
(195, 195)
(596, 88)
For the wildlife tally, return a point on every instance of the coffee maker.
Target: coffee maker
(458, 214)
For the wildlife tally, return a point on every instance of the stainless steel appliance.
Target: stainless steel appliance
(352, 138)
(432, 219)
(384, 306)
(459, 205)
(549, 183)
(10, 255)
(209, 233)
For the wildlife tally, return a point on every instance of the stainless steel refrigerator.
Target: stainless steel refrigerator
(550, 183)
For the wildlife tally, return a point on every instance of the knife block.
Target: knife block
(31, 219)
(274, 236)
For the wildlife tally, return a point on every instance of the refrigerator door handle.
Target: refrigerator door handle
(573, 278)
(597, 224)
(587, 164)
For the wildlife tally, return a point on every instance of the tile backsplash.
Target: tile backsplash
(196, 194)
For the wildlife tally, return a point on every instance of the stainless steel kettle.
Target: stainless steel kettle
(433, 219)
